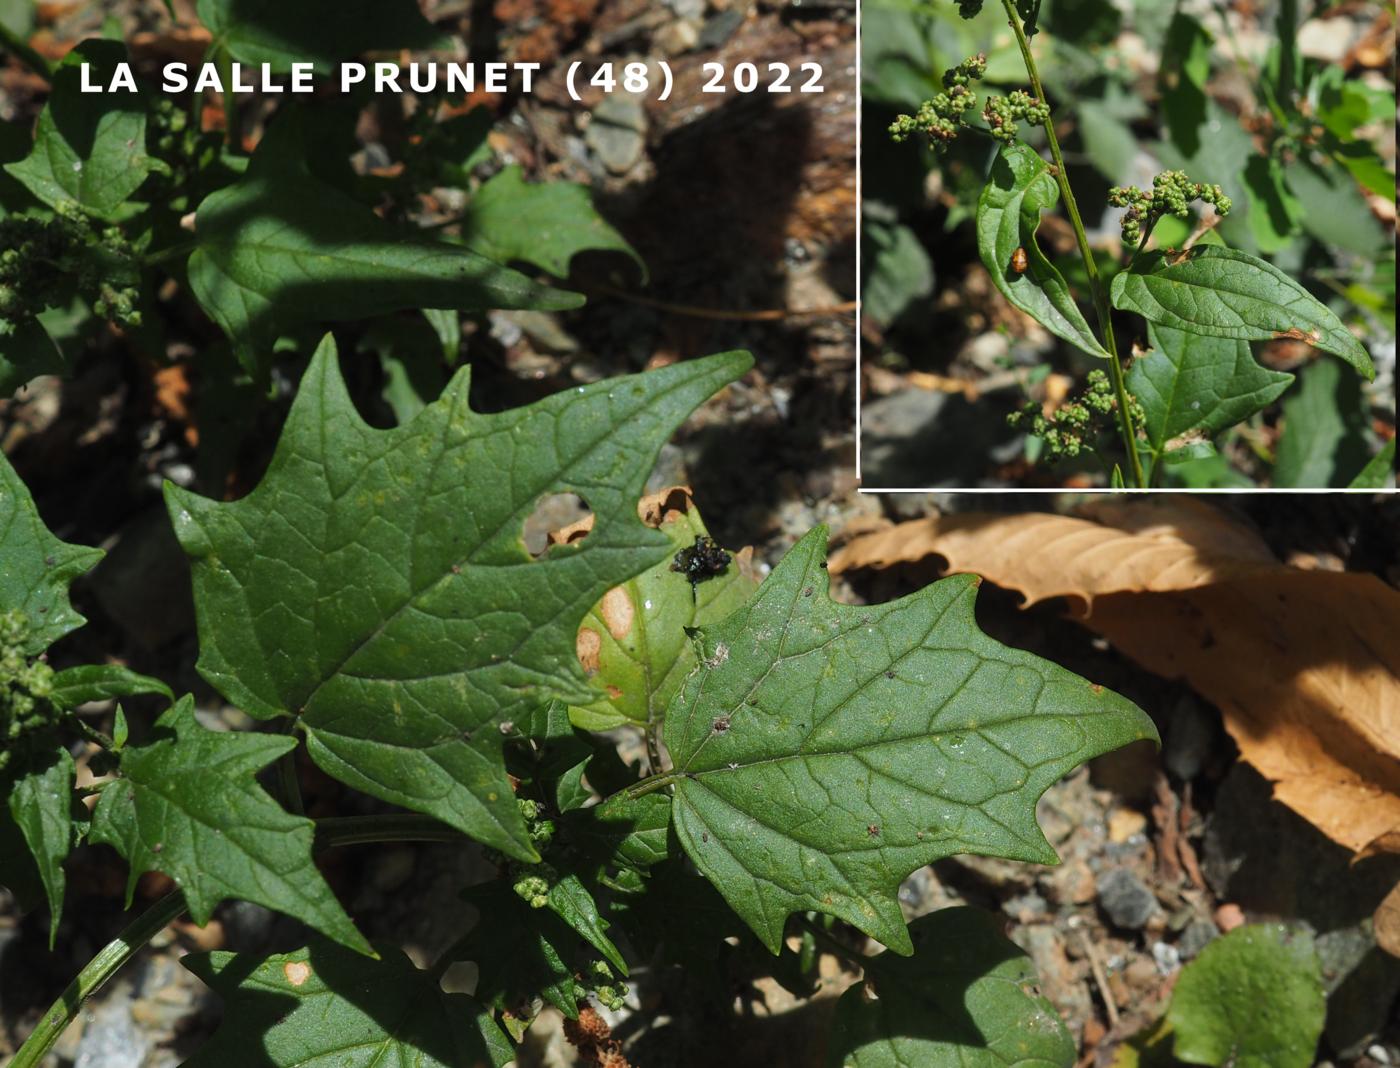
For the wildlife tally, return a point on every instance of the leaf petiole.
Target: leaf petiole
(91, 979)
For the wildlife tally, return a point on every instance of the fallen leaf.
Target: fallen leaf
(1298, 662)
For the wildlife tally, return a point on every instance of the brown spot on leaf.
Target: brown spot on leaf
(614, 692)
(296, 971)
(588, 646)
(1312, 337)
(617, 612)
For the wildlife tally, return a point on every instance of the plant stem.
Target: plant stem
(288, 784)
(651, 784)
(24, 53)
(101, 968)
(330, 833)
(225, 61)
(336, 831)
(174, 252)
(1091, 267)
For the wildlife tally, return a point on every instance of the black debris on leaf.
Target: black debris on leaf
(702, 560)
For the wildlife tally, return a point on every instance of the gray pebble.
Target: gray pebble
(1197, 935)
(1126, 899)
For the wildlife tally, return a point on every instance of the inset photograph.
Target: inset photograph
(1142, 248)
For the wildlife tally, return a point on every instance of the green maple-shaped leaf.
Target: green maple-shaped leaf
(35, 567)
(281, 248)
(376, 584)
(186, 803)
(965, 999)
(825, 751)
(325, 1006)
(544, 224)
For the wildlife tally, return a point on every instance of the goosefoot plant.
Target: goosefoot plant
(1204, 303)
(372, 602)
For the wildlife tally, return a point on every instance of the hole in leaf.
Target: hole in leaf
(557, 519)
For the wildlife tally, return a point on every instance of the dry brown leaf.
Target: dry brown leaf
(1303, 665)
(1387, 923)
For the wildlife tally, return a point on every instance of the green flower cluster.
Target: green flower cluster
(1172, 194)
(186, 150)
(941, 118)
(533, 881)
(46, 259)
(533, 885)
(598, 980)
(25, 688)
(1001, 114)
(1072, 428)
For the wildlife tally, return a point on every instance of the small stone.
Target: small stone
(617, 132)
(1168, 957)
(1072, 883)
(1026, 908)
(1229, 916)
(1126, 899)
(1125, 824)
(1197, 935)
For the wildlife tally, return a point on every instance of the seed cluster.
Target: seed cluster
(26, 685)
(943, 118)
(1072, 428)
(1172, 194)
(46, 259)
(1001, 114)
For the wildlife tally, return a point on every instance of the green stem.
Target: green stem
(330, 833)
(174, 252)
(225, 61)
(336, 831)
(1091, 267)
(653, 783)
(24, 53)
(101, 968)
(288, 783)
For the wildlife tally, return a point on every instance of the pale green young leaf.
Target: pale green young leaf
(1018, 189)
(89, 148)
(40, 803)
(544, 224)
(825, 751)
(965, 999)
(37, 567)
(633, 643)
(101, 682)
(376, 584)
(1223, 292)
(186, 802)
(280, 249)
(319, 32)
(1196, 382)
(1252, 999)
(325, 1006)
